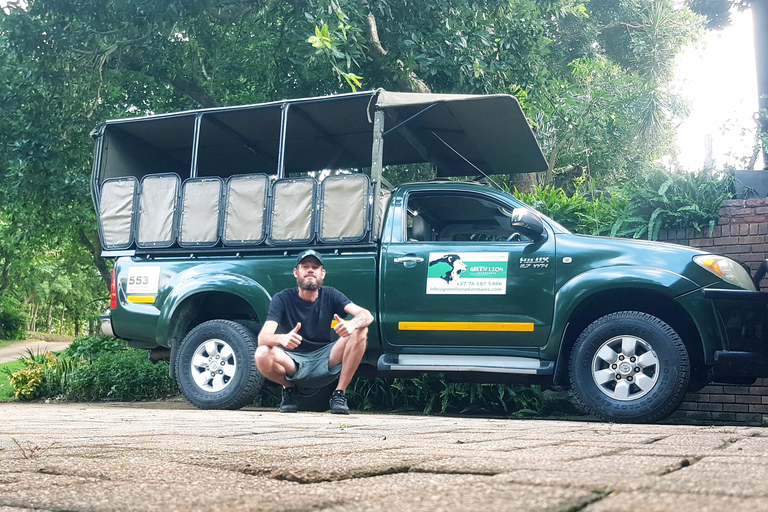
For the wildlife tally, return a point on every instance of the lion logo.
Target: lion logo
(457, 267)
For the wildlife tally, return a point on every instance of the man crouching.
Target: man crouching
(304, 354)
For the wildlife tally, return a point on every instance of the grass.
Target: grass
(6, 390)
(8, 343)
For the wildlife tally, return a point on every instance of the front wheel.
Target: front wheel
(215, 368)
(629, 367)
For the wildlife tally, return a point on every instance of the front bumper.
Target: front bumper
(106, 325)
(742, 322)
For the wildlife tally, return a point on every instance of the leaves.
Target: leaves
(433, 394)
(322, 39)
(656, 200)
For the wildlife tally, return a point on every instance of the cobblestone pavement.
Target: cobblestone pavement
(168, 456)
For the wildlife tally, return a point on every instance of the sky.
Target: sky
(718, 76)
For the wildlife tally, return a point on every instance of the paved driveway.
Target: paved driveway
(22, 349)
(168, 456)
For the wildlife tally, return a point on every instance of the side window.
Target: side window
(459, 218)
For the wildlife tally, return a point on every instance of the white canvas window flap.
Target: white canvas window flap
(200, 212)
(157, 206)
(344, 207)
(116, 212)
(292, 212)
(245, 208)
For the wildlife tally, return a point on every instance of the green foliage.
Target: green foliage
(27, 383)
(93, 368)
(43, 375)
(124, 375)
(87, 348)
(7, 391)
(13, 321)
(432, 394)
(576, 212)
(657, 199)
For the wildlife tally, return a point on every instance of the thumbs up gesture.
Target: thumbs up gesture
(343, 328)
(292, 339)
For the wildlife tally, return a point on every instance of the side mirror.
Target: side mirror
(528, 224)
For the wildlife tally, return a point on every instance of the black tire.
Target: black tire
(233, 381)
(640, 375)
(315, 399)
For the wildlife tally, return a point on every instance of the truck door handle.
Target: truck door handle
(409, 261)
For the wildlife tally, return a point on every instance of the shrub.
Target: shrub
(13, 321)
(659, 199)
(27, 383)
(87, 348)
(576, 213)
(656, 199)
(432, 394)
(44, 375)
(124, 375)
(93, 368)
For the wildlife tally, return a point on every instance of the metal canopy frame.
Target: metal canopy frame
(462, 135)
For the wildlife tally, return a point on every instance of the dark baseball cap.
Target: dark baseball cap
(307, 254)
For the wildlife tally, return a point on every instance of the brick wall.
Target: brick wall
(742, 233)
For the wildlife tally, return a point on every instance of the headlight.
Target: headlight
(726, 269)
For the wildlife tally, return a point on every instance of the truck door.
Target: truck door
(459, 275)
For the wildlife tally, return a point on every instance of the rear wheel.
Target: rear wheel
(215, 368)
(629, 367)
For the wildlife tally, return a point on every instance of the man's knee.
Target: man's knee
(360, 336)
(263, 356)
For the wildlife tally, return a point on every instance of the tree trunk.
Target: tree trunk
(523, 182)
(393, 70)
(35, 308)
(61, 324)
(50, 317)
(760, 21)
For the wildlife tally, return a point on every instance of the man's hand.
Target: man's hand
(344, 328)
(291, 340)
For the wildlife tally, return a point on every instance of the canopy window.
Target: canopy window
(199, 219)
(245, 209)
(117, 211)
(293, 211)
(158, 198)
(344, 208)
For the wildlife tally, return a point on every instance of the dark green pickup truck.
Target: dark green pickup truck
(206, 211)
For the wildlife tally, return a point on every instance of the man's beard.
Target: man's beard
(310, 286)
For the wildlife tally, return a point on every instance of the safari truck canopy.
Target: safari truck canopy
(237, 177)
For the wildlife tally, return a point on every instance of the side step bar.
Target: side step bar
(460, 363)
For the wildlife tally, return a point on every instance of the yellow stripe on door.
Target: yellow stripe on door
(467, 326)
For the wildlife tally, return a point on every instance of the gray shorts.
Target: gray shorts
(312, 368)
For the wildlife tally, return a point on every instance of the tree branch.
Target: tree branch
(377, 52)
(194, 91)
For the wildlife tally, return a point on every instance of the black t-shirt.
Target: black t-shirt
(288, 309)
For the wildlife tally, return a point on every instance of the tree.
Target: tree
(592, 76)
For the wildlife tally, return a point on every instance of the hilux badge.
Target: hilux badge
(541, 262)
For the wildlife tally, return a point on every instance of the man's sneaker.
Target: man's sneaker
(338, 403)
(290, 401)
